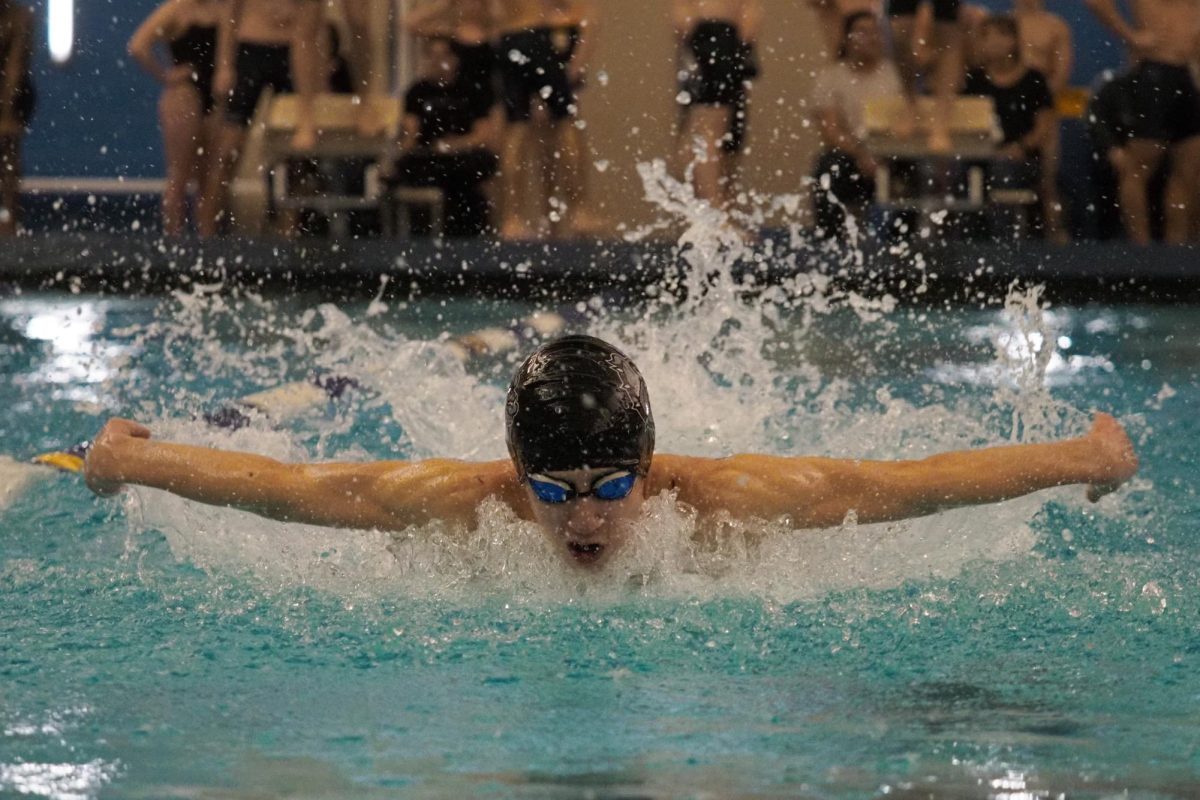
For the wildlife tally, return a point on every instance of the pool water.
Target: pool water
(1039, 648)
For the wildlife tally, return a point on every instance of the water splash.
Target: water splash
(729, 362)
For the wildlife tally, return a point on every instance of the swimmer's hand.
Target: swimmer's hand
(1115, 460)
(102, 467)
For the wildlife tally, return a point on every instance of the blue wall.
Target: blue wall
(96, 114)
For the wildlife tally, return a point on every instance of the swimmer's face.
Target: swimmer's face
(589, 528)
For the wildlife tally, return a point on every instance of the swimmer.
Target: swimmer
(582, 465)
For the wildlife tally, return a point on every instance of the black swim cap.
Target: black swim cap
(578, 402)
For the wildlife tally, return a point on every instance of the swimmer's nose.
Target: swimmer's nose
(585, 518)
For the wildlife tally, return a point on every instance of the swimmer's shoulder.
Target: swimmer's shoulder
(698, 475)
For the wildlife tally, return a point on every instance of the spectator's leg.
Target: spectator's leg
(208, 168)
(229, 145)
(1143, 157)
(10, 182)
(903, 33)
(838, 188)
(1052, 210)
(1182, 193)
(566, 166)
(703, 129)
(733, 144)
(370, 85)
(181, 116)
(947, 79)
(517, 155)
(308, 56)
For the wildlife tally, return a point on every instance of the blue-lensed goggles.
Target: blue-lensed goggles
(613, 486)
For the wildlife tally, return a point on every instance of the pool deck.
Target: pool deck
(962, 271)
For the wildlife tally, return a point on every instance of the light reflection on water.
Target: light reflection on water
(79, 362)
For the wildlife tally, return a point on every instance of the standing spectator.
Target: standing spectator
(253, 55)
(1045, 43)
(1110, 118)
(468, 26)
(716, 39)
(573, 27)
(1162, 44)
(309, 57)
(177, 46)
(16, 107)
(844, 179)
(1047, 47)
(946, 46)
(532, 75)
(1024, 108)
(449, 140)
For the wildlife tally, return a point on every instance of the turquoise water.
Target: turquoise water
(1040, 648)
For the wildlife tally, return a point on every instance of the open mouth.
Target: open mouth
(585, 552)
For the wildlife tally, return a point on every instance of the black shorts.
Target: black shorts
(943, 10)
(718, 69)
(531, 69)
(1165, 102)
(258, 66)
(453, 172)
(24, 101)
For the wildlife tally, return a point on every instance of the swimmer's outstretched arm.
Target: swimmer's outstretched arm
(821, 492)
(388, 495)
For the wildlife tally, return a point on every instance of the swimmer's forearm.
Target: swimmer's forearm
(991, 475)
(215, 477)
(823, 492)
(385, 495)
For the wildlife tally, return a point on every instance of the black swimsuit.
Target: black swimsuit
(719, 65)
(530, 69)
(476, 74)
(196, 47)
(25, 98)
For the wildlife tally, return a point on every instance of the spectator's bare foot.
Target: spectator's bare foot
(370, 123)
(305, 138)
(585, 224)
(515, 230)
(939, 139)
(904, 124)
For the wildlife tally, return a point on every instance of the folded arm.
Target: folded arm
(822, 492)
(388, 495)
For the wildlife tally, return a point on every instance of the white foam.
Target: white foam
(15, 478)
